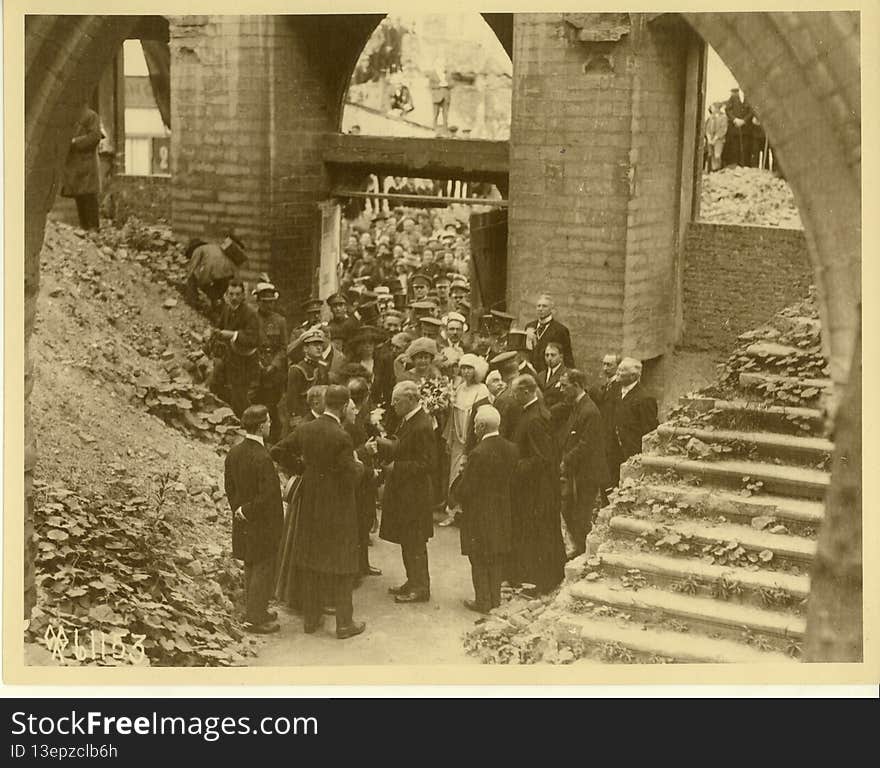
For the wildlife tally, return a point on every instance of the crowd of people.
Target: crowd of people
(402, 412)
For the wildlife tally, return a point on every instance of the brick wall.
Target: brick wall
(220, 142)
(146, 197)
(593, 204)
(735, 277)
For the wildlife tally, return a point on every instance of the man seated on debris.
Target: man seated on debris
(254, 494)
(236, 373)
(211, 267)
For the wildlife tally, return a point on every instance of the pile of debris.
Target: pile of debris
(753, 196)
(116, 586)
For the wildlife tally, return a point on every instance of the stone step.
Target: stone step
(759, 414)
(754, 380)
(810, 449)
(730, 504)
(783, 480)
(704, 614)
(774, 349)
(654, 643)
(786, 549)
(665, 571)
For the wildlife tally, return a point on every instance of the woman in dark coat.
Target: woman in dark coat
(82, 177)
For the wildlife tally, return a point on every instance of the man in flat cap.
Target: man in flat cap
(341, 318)
(273, 355)
(309, 372)
(421, 284)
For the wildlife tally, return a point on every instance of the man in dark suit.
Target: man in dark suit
(254, 494)
(505, 402)
(236, 374)
(545, 329)
(407, 513)
(606, 396)
(583, 466)
(326, 545)
(538, 552)
(484, 490)
(635, 414)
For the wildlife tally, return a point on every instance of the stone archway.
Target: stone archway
(801, 69)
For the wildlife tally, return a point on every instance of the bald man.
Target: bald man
(544, 329)
(484, 490)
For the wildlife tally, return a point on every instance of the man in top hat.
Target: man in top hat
(234, 344)
(481, 339)
(368, 312)
(340, 318)
(738, 142)
(309, 372)
(273, 354)
(421, 284)
(546, 328)
(516, 342)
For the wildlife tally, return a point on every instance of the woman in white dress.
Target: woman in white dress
(470, 394)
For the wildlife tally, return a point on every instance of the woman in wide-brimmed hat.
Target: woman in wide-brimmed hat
(470, 393)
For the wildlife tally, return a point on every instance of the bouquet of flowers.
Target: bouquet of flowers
(376, 419)
(436, 395)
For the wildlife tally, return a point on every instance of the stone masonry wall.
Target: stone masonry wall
(146, 197)
(735, 277)
(593, 206)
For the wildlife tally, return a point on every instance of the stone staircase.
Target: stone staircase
(703, 553)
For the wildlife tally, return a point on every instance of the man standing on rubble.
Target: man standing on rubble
(236, 371)
(273, 354)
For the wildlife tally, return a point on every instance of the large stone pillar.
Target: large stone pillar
(596, 142)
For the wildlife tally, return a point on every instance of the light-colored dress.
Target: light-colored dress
(459, 423)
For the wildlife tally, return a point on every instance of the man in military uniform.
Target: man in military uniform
(341, 318)
(273, 355)
(236, 371)
(444, 300)
(421, 284)
(308, 372)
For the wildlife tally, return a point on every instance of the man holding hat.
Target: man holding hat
(254, 494)
(273, 354)
(516, 342)
(309, 372)
(236, 371)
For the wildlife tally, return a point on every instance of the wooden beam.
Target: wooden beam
(434, 158)
(423, 199)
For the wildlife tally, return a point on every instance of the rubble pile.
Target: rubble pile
(133, 527)
(117, 588)
(753, 196)
(520, 631)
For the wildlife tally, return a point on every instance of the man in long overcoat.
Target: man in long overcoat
(484, 490)
(407, 512)
(326, 543)
(82, 179)
(538, 555)
(635, 414)
(254, 495)
(606, 396)
(583, 464)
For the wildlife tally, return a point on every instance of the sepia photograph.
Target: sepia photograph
(436, 338)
